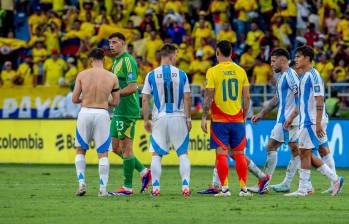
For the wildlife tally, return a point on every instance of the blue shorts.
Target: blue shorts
(228, 135)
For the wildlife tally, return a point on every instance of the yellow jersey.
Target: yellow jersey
(228, 80)
(262, 73)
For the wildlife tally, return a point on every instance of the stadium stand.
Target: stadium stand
(46, 42)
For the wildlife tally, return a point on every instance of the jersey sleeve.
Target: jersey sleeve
(318, 84)
(293, 83)
(147, 87)
(186, 84)
(131, 70)
(209, 79)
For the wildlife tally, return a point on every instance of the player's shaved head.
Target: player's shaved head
(279, 59)
(97, 54)
(225, 48)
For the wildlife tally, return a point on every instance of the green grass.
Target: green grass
(45, 194)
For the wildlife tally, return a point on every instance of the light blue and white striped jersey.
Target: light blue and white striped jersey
(287, 91)
(311, 85)
(167, 84)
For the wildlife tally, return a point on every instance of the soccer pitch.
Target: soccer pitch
(46, 194)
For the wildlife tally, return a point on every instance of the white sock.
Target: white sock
(329, 161)
(292, 168)
(272, 160)
(184, 170)
(103, 173)
(304, 180)
(215, 179)
(255, 170)
(325, 170)
(155, 169)
(80, 165)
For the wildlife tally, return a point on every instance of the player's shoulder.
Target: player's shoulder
(315, 75)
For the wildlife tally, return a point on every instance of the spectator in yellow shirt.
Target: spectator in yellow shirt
(88, 26)
(227, 34)
(72, 72)
(152, 45)
(141, 8)
(246, 10)
(340, 72)
(247, 60)
(25, 71)
(198, 68)
(52, 37)
(174, 5)
(184, 56)
(219, 10)
(325, 68)
(261, 74)
(253, 38)
(201, 32)
(282, 31)
(36, 19)
(39, 52)
(202, 15)
(54, 69)
(7, 75)
(209, 52)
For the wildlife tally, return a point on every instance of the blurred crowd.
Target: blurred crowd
(46, 42)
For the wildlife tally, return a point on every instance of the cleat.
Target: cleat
(222, 193)
(103, 194)
(210, 190)
(283, 188)
(337, 186)
(186, 192)
(311, 191)
(122, 192)
(254, 189)
(297, 193)
(264, 184)
(81, 190)
(328, 191)
(245, 193)
(146, 178)
(155, 192)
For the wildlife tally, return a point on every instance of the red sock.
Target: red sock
(222, 168)
(241, 169)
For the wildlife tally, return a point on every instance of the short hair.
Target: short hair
(96, 54)
(306, 51)
(117, 35)
(280, 52)
(167, 49)
(225, 48)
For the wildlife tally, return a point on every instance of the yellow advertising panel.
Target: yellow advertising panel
(52, 141)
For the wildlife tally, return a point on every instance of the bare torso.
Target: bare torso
(96, 85)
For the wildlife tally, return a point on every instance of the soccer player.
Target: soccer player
(171, 121)
(227, 85)
(123, 123)
(313, 123)
(285, 96)
(92, 89)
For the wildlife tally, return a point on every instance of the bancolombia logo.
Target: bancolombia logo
(27, 142)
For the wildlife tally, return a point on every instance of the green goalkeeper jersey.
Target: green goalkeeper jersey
(125, 68)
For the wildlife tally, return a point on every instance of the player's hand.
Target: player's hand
(319, 131)
(189, 125)
(288, 124)
(147, 126)
(256, 118)
(204, 125)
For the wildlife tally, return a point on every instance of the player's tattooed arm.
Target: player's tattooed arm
(319, 111)
(269, 106)
(187, 109)
(209, 93)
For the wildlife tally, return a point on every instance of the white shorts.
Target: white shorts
(167, 131)
(283, 135)
(93, 123)
(308, 138)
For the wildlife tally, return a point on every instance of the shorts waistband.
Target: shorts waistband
(94, 110)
